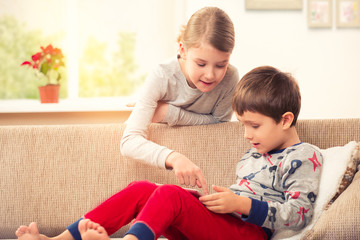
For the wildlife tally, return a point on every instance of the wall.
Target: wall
(326, 62)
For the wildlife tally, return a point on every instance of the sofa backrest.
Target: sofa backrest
(54, 174)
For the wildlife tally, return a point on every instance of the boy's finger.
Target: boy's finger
(209, 199)
(219, 189)
(203, 185)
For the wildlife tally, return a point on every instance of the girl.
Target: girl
(194, 88)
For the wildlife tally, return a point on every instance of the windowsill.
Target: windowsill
(66, 105)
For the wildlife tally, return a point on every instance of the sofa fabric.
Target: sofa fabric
(54, 174)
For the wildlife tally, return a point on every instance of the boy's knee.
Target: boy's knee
(168, 189)
(142, 183)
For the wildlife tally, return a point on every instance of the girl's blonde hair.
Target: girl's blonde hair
(210, 24)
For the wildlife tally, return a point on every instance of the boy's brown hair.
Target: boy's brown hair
(268, 91)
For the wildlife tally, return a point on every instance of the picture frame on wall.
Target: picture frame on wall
(320, 13)
(273, 4)
(347, 13)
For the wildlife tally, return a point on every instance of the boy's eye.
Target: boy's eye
(255, 126)
(201, 64)
(220, 66)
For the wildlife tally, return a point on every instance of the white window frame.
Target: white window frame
(73, 103)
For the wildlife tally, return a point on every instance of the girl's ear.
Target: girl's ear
(287, 119)
(182, 50)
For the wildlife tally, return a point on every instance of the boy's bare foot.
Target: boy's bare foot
(92, 231)
(30, 232)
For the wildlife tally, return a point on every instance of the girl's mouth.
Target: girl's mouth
(206, 83)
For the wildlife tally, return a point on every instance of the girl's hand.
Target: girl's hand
(186, 171)
(225, 201)
(160, 112)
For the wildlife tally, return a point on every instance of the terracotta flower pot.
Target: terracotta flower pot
(49, 93)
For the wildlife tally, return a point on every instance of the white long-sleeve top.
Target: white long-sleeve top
(187, 106)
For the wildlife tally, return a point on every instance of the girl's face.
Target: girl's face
(204, 66)
(263, 132)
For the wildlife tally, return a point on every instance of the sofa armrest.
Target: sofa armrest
(342, 218)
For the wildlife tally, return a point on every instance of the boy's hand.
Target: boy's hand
(186, 171)
(160, 112)
(225, 201)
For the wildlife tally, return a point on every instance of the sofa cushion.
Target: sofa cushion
(338, 165)
(337, 219)
(351, 169)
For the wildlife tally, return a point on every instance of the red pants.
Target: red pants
(170, 211)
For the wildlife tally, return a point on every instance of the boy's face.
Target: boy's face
(263, 132)
(205, 66)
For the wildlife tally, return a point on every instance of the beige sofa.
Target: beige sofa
(54, 174)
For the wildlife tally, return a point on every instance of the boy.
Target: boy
(276, 186)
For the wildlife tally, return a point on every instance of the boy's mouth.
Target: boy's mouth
(255, 145)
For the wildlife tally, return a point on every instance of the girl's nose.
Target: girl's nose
(210, 73)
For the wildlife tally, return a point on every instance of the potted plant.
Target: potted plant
(49, 63)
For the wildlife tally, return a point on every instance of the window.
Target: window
(109, 45)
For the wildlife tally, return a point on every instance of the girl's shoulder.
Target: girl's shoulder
(169, 65)
(232, 74)
(166, 69)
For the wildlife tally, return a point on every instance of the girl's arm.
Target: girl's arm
(135, 143)
(222, 113)
(221, 108)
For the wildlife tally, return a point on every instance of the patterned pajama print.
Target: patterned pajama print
(284, 184)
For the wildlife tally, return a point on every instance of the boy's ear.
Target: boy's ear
(287, 119)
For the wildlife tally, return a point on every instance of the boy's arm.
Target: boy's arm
(300, 181)
(226, 201)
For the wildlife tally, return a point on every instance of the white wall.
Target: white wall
(326, 62)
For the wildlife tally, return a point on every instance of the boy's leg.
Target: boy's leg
(119, 209)
(31, 232)
(172, 210)
(122, 207)
(112, 214)
(92, 231)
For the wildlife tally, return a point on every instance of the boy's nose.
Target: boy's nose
(247, 135)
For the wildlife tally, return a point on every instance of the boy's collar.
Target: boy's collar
(281, 150)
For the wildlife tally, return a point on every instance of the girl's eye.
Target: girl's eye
(201, 65)
(220, 66)
(255, 126)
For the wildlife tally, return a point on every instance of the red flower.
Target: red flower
(47, 59)
(37, 56)
(26, 63)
